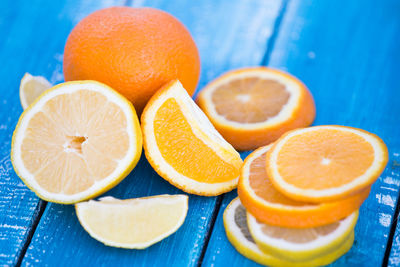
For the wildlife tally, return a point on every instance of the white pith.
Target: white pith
(286, 112)
(123, 164)
(202, 129)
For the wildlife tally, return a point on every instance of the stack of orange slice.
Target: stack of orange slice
(302, 194)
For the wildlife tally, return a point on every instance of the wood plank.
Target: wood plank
(224, 43)
(394, 177)
(33, 36)
(347, 54)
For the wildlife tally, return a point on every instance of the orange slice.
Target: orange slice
(301, 244)
(269, 206)
(76, 141)
(325, 163)
(253, 107)
(238, 233)
(183, 146)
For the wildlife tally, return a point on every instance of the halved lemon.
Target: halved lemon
(132, 223)
(237, 231)
(268, 205)
(301, 244)
(31, 87)
(325, 163)
(76, 141)
(183, 146)
(253, 107)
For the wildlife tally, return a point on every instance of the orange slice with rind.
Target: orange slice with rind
(325, 163)
(269, 206)
(238, 233)
(184, 148)
(76, 141)
(301, 244)
(253, 107)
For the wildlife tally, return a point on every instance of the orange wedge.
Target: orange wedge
(269, 206)
(253, 107)
(76, 141)
(325, 163)
(184, 148)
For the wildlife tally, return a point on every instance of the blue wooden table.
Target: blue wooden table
(346, 52)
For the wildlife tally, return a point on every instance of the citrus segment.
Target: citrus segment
(253, 107)
(268, 205)
(301, 244)
(183, 146)
(76, 141)
(31, 87)
(132, 223)
(238, 233)
(325, 163)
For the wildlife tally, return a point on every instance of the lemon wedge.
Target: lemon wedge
(132, 223)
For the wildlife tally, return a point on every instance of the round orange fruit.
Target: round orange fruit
(133, 50)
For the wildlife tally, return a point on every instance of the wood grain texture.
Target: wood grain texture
(33, 36)
(347, 53)
(394, 176)
(224, 43)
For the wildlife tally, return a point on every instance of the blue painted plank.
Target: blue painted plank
(33, 35)
(224, 43)
(348, 54)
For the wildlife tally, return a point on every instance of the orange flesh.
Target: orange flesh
(186, 153)
(262, 186)
(73, 143)
(255, 99)
(321, 161)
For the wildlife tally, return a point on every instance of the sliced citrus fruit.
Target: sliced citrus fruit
(325, 163)
(268, 205)
(76, 141)
(132, 223)
(183, 146)
(301, 244)
(253, 107)
(237, 231)
(31, 87)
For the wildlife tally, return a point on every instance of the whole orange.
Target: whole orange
(133, 50)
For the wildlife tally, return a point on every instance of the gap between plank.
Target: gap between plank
(211, 227)
(275, 32)
(393, 225)
(264, 62)
(41, 206)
